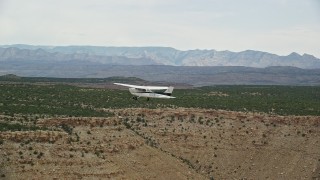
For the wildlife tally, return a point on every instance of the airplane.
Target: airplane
(149, 91)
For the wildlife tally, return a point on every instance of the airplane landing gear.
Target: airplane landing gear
(135, 98)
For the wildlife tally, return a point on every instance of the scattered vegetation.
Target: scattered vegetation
(67, 129)
(51, 100)
(71, 101)
(17, 127)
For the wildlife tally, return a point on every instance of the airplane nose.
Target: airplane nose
(132, 90)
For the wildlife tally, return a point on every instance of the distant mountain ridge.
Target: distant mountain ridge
(193, 75)
(154, 56)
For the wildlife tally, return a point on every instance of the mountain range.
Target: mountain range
(164, 64)
(154, 56)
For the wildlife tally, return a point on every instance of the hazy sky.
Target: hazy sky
(276, 26)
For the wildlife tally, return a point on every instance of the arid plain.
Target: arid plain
(154, 141)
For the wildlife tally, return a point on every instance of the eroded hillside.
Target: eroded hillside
(183, 143)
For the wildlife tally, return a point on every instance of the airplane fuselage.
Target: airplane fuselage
(148, 94)
(149, 91)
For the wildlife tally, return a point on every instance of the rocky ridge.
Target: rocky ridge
(178, 143)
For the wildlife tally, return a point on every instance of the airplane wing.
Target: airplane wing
(143, 87)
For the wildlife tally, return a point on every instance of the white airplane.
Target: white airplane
(149, 91)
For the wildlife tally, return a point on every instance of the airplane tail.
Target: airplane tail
(169, 91)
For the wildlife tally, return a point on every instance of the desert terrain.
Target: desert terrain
(165, 143)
